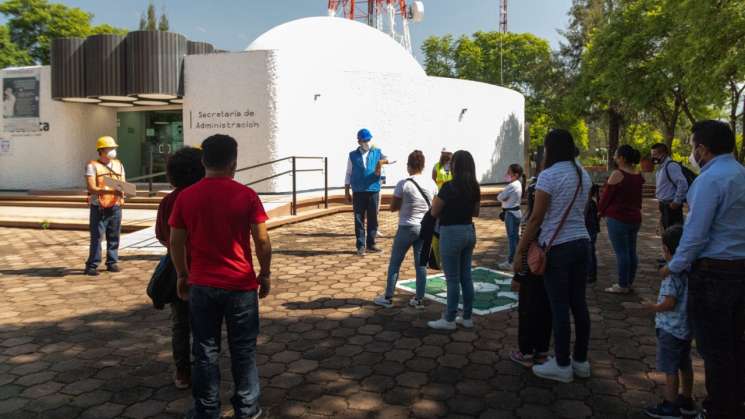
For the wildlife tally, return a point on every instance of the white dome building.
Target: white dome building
(312, 83)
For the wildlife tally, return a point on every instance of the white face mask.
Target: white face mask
(111, 154)
(365, 146)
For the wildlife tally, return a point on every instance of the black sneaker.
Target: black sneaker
(374, 249)
(91, 271)
(113, 268)
(664, 410)
(686, 405)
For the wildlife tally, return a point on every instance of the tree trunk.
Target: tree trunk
(742, 145)
(614, 134)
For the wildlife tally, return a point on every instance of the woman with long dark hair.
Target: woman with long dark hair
(557, 223)
(455, 206)
(621, 204)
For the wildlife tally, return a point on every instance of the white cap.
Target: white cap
(445, 150)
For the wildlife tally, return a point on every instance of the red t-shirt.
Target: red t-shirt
(217, 214)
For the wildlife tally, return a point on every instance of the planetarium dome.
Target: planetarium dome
(336, 44)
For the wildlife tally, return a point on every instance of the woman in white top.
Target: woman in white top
(558, 224)
(412, 198)
(510, 198)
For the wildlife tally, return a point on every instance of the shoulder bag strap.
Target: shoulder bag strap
(566, 214)
(424, 195)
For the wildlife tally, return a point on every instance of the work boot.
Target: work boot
(91, 271)
(113, 268)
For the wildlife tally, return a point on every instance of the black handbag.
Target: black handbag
(162, 286)
(428, 229)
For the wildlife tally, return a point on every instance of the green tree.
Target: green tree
(10, 54)
(163, 24)
(34, 23)
(152, 18)
(143, 22)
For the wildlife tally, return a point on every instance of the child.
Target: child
(592, 222)
(673, 338)
(510, 199)
(534, 309)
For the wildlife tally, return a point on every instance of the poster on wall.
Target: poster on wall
(21, 100)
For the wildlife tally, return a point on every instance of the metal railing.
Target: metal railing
(293, 172)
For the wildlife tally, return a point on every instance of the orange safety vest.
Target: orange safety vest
(116, 172)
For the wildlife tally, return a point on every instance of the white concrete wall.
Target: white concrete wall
(404, 113)
(233, 82)
(54, 158)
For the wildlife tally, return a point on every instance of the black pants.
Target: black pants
(566, 285)
(365, 206)
(669, 216)
(534, 316)
(716, 306)
(180, 335)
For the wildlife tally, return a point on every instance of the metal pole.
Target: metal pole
(150, 179)
(294, 188)
(325, 182)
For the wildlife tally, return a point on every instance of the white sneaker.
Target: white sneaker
(581, 369)
(550, 370)
(467, 323)
(383, 302)
(416, 303)
(441, 324)
(505, 266)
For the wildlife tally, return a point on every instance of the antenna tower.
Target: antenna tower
(389, 16)
(502, 33)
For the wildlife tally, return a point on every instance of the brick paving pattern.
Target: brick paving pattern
(78, 347)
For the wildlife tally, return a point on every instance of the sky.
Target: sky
(233, 24)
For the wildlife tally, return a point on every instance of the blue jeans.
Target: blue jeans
(108, 222)
(240, 309)
(406, 237)
(456, 249)
(365, 206)
(566, 283)
(512, 224)
(623, 239)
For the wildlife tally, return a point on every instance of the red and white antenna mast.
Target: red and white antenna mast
(502, 33)
(389, 16)
(503, 16)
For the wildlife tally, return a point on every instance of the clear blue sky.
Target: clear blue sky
(232, 24)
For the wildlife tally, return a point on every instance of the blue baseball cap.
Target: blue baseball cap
(364, 135)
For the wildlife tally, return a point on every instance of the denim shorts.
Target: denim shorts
(673, 354)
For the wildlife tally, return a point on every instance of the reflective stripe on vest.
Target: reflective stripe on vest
(443, 175)
(116, 172)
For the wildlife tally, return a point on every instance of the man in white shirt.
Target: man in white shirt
(363, 178)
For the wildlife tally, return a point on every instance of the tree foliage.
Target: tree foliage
(10, 54)
(149, 20)
(32, 25)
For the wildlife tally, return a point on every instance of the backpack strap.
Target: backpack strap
(667, 171)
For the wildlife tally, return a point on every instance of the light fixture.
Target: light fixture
(118, 98)
(177, 101)
(150, 102)
(157, 96)
(80, 99)
(116, 104)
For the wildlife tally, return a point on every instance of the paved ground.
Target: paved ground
(73, 347)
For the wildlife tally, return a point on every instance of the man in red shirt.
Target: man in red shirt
(215, 218)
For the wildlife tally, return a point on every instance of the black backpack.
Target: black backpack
(687, 173)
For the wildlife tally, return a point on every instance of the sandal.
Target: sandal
(522, 359)
(616, 289)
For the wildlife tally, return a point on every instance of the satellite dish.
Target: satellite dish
(417, 11)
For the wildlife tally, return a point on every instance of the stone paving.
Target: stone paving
(76, 347)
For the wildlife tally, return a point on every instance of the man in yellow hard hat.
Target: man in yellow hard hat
(105, 205)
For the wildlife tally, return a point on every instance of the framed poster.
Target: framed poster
(21, 100)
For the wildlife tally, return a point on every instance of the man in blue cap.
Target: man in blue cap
(363, 178)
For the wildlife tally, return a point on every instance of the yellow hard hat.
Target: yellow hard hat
(106, 142)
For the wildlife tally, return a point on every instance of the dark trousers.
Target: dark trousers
(365, 206)
(566, 283)
(180, 335)
(669, 216)
(534, 316)
(716, 307)
(208, 307)
(104, 222)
